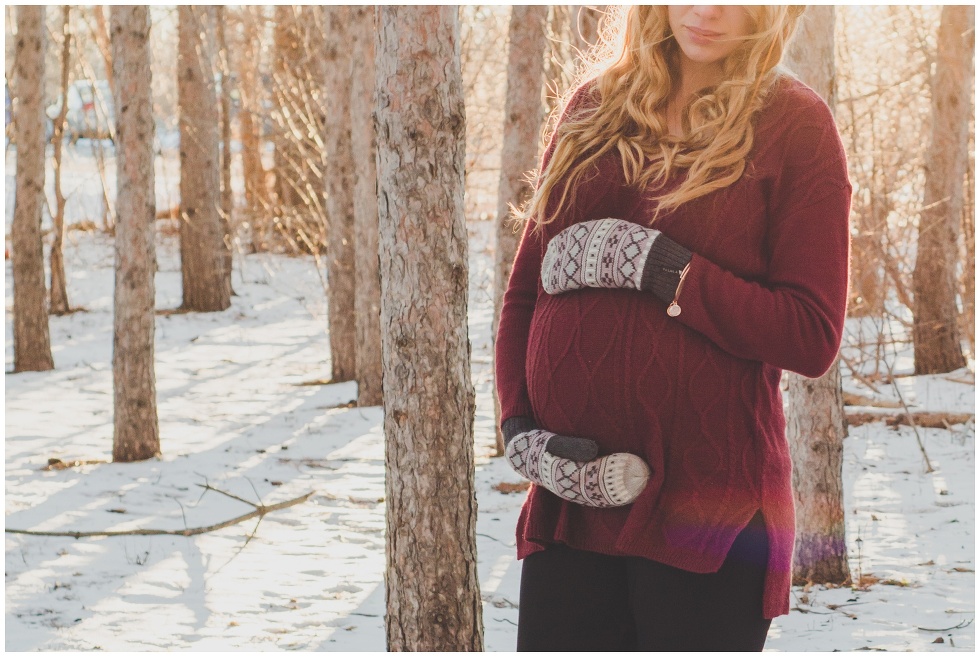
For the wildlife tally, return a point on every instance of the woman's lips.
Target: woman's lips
(700, 36)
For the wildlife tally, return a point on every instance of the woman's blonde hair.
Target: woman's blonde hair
(634, 82)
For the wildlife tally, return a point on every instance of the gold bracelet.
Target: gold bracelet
(673, 310)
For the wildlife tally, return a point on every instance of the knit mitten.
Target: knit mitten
(613, 253)
(613, 480)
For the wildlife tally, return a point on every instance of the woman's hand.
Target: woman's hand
(613, 480)
(613, 253)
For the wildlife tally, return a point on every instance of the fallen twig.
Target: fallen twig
(259, 511)
(925, 419)
(958, 626)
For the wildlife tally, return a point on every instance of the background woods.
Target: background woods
(278, 238)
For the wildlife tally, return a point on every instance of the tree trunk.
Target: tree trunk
(136, 433)
(433, 593)
(227, 199)
(59, 287)
(815, 425)
(523, 118)
(337, 66)
(202, 246)
(250, 117)
(32, 341)
(102, 40)
(367, 284)
(934, 330)
(585, 26)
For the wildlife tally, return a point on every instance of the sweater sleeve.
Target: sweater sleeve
(594, 196)
(794, 318)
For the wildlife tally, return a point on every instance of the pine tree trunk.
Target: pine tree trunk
(227, 199)
(523, 118)
(250, 118)
(367, 284)
(339, 175)
(59, 286)
(935, 334)
(815, 425)
(433, 593)
(202, 246)
(136, 433)
(32, 341)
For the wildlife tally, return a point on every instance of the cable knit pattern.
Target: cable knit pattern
(696, 397)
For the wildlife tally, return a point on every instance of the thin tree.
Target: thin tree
(524, 114)
(337, 67)
(32, 341)
(59, 287)
(433, 593)
(227, 199)
(136, 433)
(815, 424)
(935, 334)
(202, 244)
(367, 282)
(250, 118)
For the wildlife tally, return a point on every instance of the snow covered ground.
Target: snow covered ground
(238, 413)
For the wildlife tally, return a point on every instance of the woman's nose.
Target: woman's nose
(706, 12)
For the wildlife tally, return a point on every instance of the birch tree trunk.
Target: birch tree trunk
(815, 424)
(202, 245)
(32, 341)
(59, 286)
(339, 174)
(367, 282)
(935, 334)
(136, 433)
(523, 119)
(433, 593)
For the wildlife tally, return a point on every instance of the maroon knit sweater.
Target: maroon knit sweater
(696, 396)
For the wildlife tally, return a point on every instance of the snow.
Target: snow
(240, 411)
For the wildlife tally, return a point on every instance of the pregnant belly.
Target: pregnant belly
(602, 364)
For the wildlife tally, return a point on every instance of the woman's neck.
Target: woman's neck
(694, 76)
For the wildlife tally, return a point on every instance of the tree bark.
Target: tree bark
(136, 433)
(935, 334)
(815, 425)
(524, 114)
(227, 199)
(337, 67)
(59, 286)
(32, 341)
(202, 246)
(433, 593)
(367, 282)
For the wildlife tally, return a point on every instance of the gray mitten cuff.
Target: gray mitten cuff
(662, 271)
(565, 447)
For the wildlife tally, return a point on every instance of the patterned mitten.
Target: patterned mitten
(613, 480)
(613, 253)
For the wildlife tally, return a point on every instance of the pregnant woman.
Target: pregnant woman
(687, 241)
